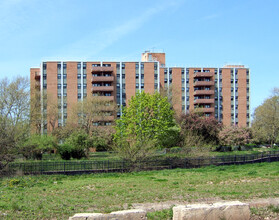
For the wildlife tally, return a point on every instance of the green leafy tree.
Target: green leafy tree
(146, 124)
(36, 145)
(265, 125)
(80, 143)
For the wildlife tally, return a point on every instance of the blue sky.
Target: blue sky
(191, 33)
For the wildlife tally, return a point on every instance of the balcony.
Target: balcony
(105, 98)
(102, 79)
(99, 69)
(203, 101)
(204, 92)
(204, 83)
(205, 110)
(103, 118)
(203, 74)
(102, 89)
(37, 76)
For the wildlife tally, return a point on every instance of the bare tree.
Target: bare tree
(92, 110)
(14, 117)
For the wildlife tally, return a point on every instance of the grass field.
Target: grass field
(58, 197)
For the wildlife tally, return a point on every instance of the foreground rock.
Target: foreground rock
(225, 210)
(132, 214)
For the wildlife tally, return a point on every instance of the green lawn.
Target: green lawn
(49, 197)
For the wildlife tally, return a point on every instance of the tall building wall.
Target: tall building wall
(219, 92)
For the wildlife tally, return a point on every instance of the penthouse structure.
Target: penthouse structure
(222, 92)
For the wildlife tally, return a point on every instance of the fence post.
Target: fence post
(64, 168)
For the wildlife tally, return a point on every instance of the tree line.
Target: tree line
(148, 124)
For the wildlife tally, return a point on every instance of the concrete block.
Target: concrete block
(224, 210)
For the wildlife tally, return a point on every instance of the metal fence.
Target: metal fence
(78, 167)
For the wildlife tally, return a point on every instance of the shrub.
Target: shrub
(65, 151)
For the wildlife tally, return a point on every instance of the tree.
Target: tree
(92, 109)
(205, 129)
(265, 125)
(146, 124)
(35, 112)
(80, 143)
(234, 136)
(36, 145)
(14, 112)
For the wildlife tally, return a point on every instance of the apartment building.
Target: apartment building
(220, 92)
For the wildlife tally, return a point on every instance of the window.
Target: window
(84, 86)
(64, 105)
(137, 65)
(64, 76)
(59, 95)
(123, 65)
(141, 65)
(65, 94)
(155, 76)
(107, 65)
(84, 66)
(137, 85)
(64, 86)
(78, 66)
(137, 76)
(142, 85)
(118, 85)
(84, 76)
(79, 86)
(182, 88)
(107, 123)
(79, 76)
(58, 76)
(123, 76)
(58, 86)
(45, 86)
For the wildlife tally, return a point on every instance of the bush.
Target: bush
(36, 145)
(175, 149)
(65, 151)
(76, 146)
